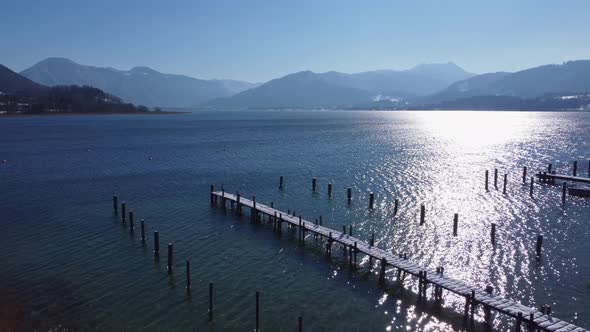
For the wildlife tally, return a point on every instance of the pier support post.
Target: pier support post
(253, 211)
(589, 168)
(395, 206)
(422, 214)
(349, 195)
(156, 243)
(300, 324)
(115, 204)
(238, 203)
(532, 185)
(472, 303)
(350, 230)
(382, 272)
(487, 179)
(188, 275)
(313, 185)
(505, 183)
(519, 322)
(321, 221)
(257, 311)
(329, 190)
(487, 312)
(493, 233)
(131, 221)
(329, 245)
(142, 222)
(466, 310)
(212, 189)
(281, 183)
(355, 253)
(170, 257)
(539, 245)
(455, 224)
(210, 301)
(300, 230)
(496, 178)
(371, 200)
(549, 168)
(575, 170)
(524, 174)
(123, 205)
(563, 193)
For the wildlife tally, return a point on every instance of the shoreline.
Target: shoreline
(81, 113)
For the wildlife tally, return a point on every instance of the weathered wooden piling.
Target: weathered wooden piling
(300, 324)
(349, 195)
(588, 167)
(455, 224)
(486, 308)
(524, 174)
(350, 230)
(281, 183)
(300, 230)
(238, 204)
(257, 311)
(496, 178)
(487, 178)
(130, 220)
(519, 322)
(321, 221)
(575, 168)
(563, 192)
(549, 168)
(493, 233)
(314, 185)
(188, 275)
(505, 183)
(539, 245)
(532, 185)
(123, 205)
(422, 214)
(382, 272)
(395, 206)
(210, 301)
(170, 257)
(142, 222)
(213, 197)
(115, 204)
(371, 200)
(156, 243)
(329, 190)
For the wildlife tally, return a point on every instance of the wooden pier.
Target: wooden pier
(548, 177)
(534, 319)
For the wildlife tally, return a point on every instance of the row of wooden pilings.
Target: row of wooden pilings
(352, 251)
(422, 220)
(170, 262)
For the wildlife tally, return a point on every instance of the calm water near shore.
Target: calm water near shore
(69, 264)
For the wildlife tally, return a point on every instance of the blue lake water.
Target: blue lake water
(69, 264)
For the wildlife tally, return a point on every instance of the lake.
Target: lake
(69, 264)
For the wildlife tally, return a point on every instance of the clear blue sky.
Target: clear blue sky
(260, 40)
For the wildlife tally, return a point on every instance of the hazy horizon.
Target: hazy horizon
(261, 40)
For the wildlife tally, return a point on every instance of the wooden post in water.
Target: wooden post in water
(123, 212)
(519, 322)
(371, 200)
(130, 220)
(549, 168)
(300, 230)
(382, 273)
(539, 245)
(281, 183)
(257, 311)
(563, 193)
(344, 229)
(115, 204)
(422, 214)
(349, 195)
(575, 170)
(210, 301)
(188, 275)
(505, 183)
(524, 174)
(588, 167)
(313, 185)
(320, 220)
(170, 257)
(156, 243)
(300, 324)
(496, 178)
(455, 224)
(487, 178)
(253, 212)
(532, 185)
(350, 230)
(487, 312)
(395, 206)
(142, 222)
(493, 233)
(212, 189)
(329, 190)
(238, 203)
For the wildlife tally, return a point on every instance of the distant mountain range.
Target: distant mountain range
(424, 86)
(19, 95)
(140, 85)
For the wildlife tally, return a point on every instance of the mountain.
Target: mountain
(569, 77)
(299, 90)
(13, 83)
(334, 89)
(140, 85)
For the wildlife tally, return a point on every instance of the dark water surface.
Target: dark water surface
(68, 264)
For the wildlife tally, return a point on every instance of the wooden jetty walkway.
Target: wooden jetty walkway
(548, 177)
(534, 319)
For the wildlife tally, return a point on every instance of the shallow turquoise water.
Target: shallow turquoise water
(70, 264)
